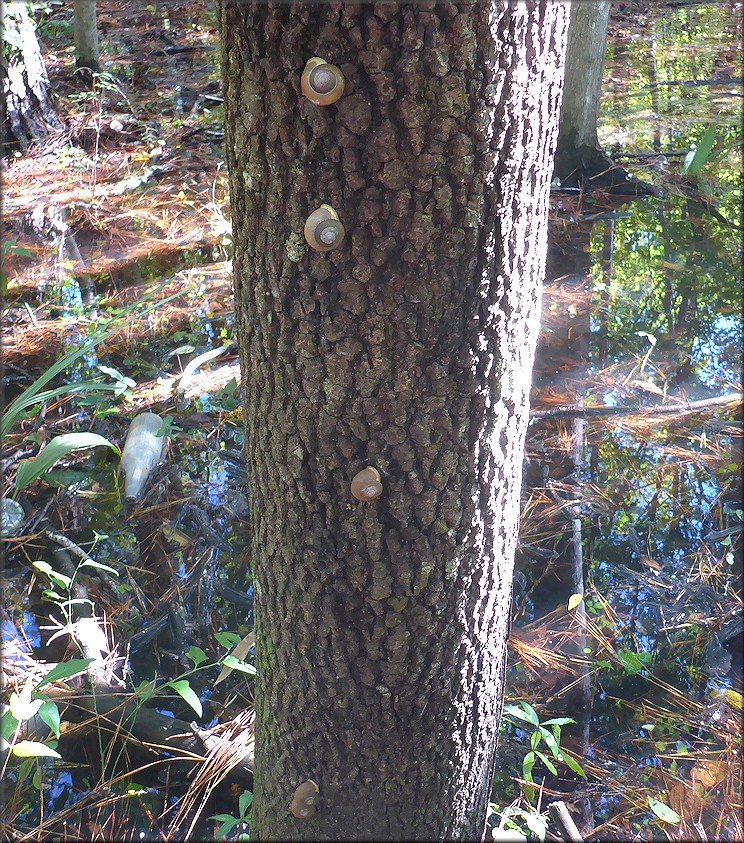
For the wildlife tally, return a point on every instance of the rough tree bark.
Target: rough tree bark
(381, 626)
(27, 111)
(86, 35)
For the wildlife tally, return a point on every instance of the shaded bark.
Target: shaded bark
(86, 35)
(381, 626)
(27, 111)
(579, 159)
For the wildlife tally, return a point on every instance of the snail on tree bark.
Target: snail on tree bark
(366, 484)
(323, 229)
(322, 83)
(303, 805)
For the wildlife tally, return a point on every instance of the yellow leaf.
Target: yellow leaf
(574, 600)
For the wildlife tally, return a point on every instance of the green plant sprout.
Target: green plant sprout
(541, 735)
(229, 821)
(516, 824)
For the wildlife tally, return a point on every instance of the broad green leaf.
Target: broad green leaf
(697, 158)
(245, 802)
(527, 713)
(8, 725)
(537, 824)
(60, 580)
(236, 664)
(186, 692)
(49, 713)
(631, 661)
(55, 450)
(196, 655)
(65, 670)
(240, 651)
(34, 749)
(574, 600)
(228, 640)
(547, 762)
(228, 824)
(663, 812)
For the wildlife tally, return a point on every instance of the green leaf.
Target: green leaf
(34, 749)
(245, 802)
(663, 812)
(547, 762)
(49, 713)
(558, 721)
(536, 823)
(185, 691)
(145, 690)
(228, 824)
(33, 394)
(236, 664)
(55, 450)
(196, 655)
(8, 725)
(573, 764)
(528, 762)
(60, 580)
(697, 158)
(24, 401)
(551, 741)
(631, 662)
(65, 670)
(527, 713)
(91, 563)
(227, 639)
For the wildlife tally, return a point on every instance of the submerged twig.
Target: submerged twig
(663, 409)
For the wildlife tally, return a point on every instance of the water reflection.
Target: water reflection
(642, 309)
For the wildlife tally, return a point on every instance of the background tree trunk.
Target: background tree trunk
(381, 626)
(28, 114)
(578, 151)
(86, 34)
(579, 159)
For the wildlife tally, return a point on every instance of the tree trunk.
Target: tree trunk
(381, 626)
(86, 35)
(27, 114)
(578, 149)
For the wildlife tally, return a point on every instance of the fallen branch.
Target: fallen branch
(566, 826)
(662, 409)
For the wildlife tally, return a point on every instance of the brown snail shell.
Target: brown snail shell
(323, 229)
(366, 484)
(303, 805)
(322, 83)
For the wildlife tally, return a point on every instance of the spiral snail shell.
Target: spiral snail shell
(366, 484)
(304, 800)
(323, 229)
(322, 83)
